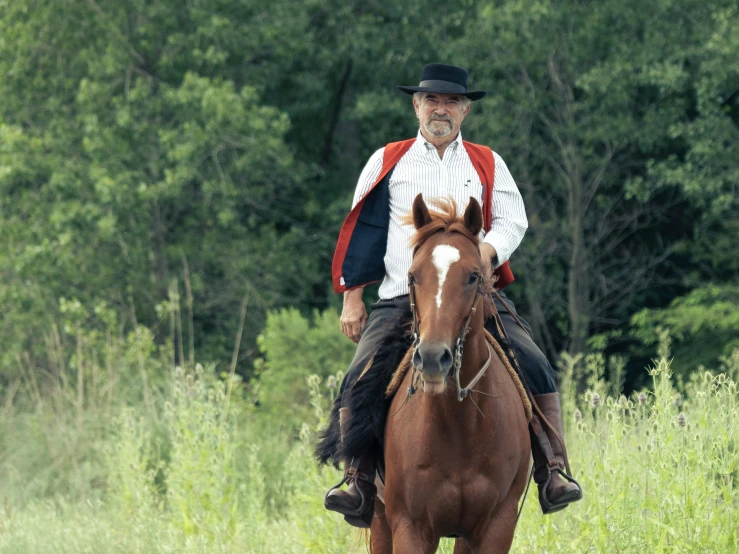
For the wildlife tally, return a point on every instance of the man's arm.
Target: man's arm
(369, 175)
(354, 314)
(509, 218)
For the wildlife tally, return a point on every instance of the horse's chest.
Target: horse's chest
(450, 502)
(448, 478)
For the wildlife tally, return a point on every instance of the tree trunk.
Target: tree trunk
(578, 287)
(578, 291)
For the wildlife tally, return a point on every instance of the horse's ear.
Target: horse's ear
(421, 215)
(473, 217)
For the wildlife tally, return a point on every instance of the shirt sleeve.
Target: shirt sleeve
(369, 175)
(509, 215)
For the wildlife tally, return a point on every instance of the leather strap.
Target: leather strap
(465, 391)
(543, 440)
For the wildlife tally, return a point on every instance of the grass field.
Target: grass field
(185, 463)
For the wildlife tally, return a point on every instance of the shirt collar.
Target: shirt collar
(421, 141)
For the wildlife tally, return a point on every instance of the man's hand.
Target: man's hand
(488, 254)
(353, 315)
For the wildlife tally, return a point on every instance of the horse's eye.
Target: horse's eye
(473, 278)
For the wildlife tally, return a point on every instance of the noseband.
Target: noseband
(462, 392)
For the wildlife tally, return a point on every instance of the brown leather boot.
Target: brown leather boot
(357, 502)
(552, 472)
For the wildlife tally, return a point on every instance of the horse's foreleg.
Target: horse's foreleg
(461, 547)
(408, 539)
(381, 538)
(498, 536)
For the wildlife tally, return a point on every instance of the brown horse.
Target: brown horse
(454, 466)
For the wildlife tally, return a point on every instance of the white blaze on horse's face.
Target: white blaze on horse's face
(443, 257)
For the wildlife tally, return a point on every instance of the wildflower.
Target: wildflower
(332, 382)
(578, 415)
(681, 420)
(678, 400)
(596, 400)
(642, 398)
(178, 370)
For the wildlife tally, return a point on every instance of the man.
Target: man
(374, 245)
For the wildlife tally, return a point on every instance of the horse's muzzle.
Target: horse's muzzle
(433, 361)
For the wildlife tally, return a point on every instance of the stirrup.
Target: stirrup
(548, 507)
(350, 473)
(362, 516)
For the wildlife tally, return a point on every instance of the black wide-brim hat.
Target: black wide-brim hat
(444, 79)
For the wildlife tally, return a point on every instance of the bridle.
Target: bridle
(462, 392)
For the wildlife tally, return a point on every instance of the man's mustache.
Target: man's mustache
(445, 118)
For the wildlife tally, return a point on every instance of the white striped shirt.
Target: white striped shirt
(421, 170)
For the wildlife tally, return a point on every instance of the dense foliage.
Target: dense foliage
(192, 154)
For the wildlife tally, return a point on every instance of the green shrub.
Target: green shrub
(294, 348)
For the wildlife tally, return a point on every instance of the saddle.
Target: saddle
(373, 393)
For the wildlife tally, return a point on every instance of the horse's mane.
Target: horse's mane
(446, 219)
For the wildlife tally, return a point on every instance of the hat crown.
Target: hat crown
(444, 72)
(444, 79)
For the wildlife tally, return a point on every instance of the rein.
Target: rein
(462, 392)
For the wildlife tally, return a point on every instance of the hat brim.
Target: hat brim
(472, 95)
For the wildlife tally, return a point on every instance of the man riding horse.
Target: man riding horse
(374, 245)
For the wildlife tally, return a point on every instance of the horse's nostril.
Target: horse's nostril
(433, 360)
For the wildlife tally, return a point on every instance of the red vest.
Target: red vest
(360, 250)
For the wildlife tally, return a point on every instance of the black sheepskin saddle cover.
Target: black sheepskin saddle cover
(367, 403)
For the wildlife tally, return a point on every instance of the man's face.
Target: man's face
(441, 115)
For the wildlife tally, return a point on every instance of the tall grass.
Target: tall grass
(165, 461)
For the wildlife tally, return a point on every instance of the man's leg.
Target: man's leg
(550, 454)
(536, 368)
(356, 502)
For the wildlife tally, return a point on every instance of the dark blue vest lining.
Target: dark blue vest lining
(365, 256)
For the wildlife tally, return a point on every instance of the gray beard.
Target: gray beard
(439, 129)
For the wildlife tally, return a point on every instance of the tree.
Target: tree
(586, 100)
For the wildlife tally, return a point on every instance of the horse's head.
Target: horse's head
(445, 279)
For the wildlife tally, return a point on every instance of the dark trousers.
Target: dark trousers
(384, 318)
